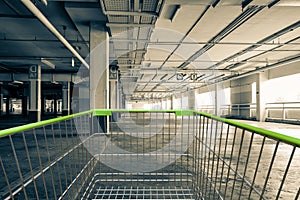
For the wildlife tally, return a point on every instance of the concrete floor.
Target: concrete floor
(286, 129)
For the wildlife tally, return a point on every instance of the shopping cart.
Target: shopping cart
(137, 154)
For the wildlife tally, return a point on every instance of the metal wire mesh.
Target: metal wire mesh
(233, 163)
(146, 155)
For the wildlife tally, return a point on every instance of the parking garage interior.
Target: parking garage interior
(166, 55)
(234, 59)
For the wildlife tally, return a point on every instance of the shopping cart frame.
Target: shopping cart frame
(222, 160)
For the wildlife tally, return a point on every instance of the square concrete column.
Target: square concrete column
(66, 98)
(113, 94)
(99, 64)
(192, 100)
(35, 93)
(99, 72)
(1, 102)
(172, 102)
(260, 98)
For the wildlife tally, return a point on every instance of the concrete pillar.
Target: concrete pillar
(118, 97)
(113, 94)
(66, 98)
(99, 63)
(260, 98)
(35, 93)
(192, 100)
(241, 93)
(218, 99)
(99, 72)
(1, 103)
(172, 102)
(43, 105)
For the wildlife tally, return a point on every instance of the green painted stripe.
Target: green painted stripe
(276, 136)
(26, 127)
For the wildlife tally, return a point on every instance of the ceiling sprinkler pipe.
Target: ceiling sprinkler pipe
(48, 24)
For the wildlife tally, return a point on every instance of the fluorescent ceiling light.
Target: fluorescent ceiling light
(273, 3)
(47, 23)
(47, 62)
(214, 4)
(18, 82)
(174, 12)
(72, 62)
(44, 2)
(55, 82)
(246, 3)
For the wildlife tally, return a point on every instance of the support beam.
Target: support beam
(66, 98)
(53, 30)
(1, 102)
(6, 77)
(260, 96)
(99, 62)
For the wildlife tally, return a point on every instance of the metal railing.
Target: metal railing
(283, 111)
(239, 161)
(138, 154)
(45, 160)
(246, 110)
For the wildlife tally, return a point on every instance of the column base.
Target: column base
(34, 116)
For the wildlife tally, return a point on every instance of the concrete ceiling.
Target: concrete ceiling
(161, 46)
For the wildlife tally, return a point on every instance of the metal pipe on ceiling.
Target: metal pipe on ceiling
(173, 71)
(130, 13)
(186, 35)
(48, 24)
(237, 22)
(121, 25)
(260, 43)
(167, 82)
(267, 67)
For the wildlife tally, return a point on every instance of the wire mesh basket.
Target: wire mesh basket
(104, 154)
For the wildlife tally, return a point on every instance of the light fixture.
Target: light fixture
(273, 3)
(47, 62)
(17, 82)
(47, 23)
(174, 13)
(245, 3)
(44, 2)
(214, 4)
(53, 81)
(72, 62)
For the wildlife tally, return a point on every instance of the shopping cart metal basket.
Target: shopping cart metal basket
(137, 154)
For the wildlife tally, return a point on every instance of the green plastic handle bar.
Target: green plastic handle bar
(105, 112)
(25, 127)
(270, 134)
